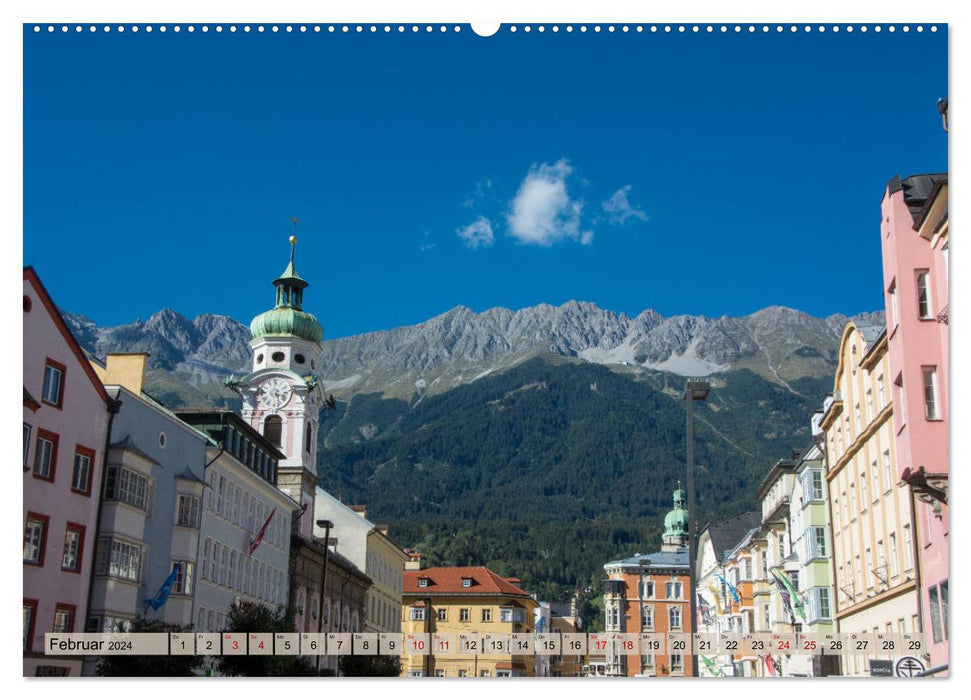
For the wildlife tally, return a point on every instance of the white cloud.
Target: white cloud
(478, 234)
(478, 192)
(619, 209)
(542, 211)
(426, 243)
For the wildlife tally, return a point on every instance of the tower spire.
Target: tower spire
(293, 237)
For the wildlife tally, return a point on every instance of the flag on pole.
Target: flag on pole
(788, 592)
(718, 600)
(163, 592)
(712, 669)
(255, 542)
(731, 588)
(769, 665)
(705, 609)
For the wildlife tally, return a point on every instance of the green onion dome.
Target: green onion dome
(287, 317)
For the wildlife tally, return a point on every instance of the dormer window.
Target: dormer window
(466, 583)
(423, 583)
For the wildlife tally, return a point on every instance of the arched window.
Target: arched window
(310, 433)
(273, 429)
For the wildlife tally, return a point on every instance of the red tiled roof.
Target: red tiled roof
(448, 579)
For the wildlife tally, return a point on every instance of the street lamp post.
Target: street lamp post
(327, 525)
(694, 390)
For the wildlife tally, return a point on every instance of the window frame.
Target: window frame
(45, 523)
(934, 387)
(465, 614)
(71, 610)
(32, 604)
(54, 439)
(89, 454)
(672, 609)
(80, 530)
(28, 433)
(57, 366)
(922, 287)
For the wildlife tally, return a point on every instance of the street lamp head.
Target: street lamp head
(327, 524)
(696, 389)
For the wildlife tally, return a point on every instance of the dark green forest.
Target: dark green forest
(554, 467)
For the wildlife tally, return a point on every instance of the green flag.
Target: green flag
(789, 589)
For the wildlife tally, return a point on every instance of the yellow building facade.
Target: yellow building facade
(873, 532)
(465, 617)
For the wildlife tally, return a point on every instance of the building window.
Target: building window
(81, 478)
(45, 455)
(821, 603)
(126, 486)
(898, 384)
(881, 391)
(487, 614)
(187, 511)
(64, 617)
(484, 673)
(647, 617)
(26, 444)
(677, 663)
(35, 538)
(53, 393)
(815, 539)
(863, 493)
(207, 548)
(894, 565)
(645, 588)
(273, 430)
(466, 583)
(443, 614)
(924, 311)
(674, 617)
(423, 583)
(894, 313)
(30, 617)
(673, 590)
(185, 579)
(118, 559)
(73, 548)
(310, 438)
(417, 614)
(931, 401)
(935, 605)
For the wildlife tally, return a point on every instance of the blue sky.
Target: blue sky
(689, 173)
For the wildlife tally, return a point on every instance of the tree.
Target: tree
(164, 666)
(369, 666)
(250, 617)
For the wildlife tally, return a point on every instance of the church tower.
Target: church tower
(281, 396)
(676, 524)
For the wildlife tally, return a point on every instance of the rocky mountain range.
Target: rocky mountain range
(189, 359)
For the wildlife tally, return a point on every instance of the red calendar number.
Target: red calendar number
(601, 645)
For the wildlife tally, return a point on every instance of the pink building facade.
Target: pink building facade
(914, 235)
(65, 424)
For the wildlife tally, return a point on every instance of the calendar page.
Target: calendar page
(581, 342)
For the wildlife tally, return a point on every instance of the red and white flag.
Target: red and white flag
(255, 542)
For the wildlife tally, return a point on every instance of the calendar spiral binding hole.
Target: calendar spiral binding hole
(512, 28)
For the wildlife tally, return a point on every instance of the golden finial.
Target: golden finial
(293, 240)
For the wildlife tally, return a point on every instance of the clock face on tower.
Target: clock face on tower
(274, 393)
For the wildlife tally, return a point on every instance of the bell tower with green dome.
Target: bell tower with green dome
(676, 523)
(281, 395)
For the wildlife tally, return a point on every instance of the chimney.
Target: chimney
(383, 529)
(126, 369)
(360, 510)
(414, 560)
